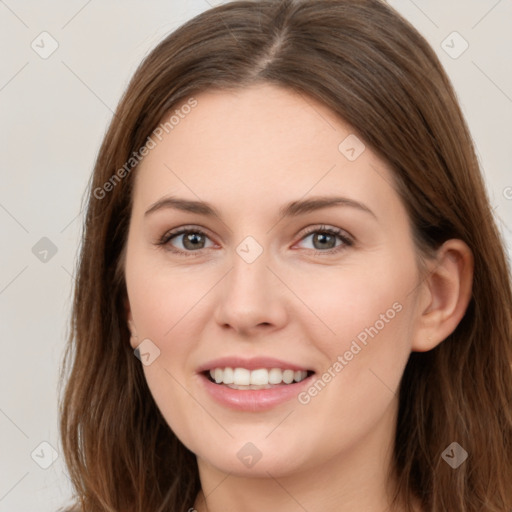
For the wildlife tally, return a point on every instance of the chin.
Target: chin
(254, 459)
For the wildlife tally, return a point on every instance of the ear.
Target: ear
(131, 325)
(444, 295)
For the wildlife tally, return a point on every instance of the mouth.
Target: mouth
(260, 378)
(253, 385)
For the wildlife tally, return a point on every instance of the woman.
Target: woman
(291, 293)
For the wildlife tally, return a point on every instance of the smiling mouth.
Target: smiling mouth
(261, 378)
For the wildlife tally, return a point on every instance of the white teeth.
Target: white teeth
(239, 378)
(275, 376)
(259, 377)
(288, 376)
(228, 376)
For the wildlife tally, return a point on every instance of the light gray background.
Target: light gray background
(54, 113)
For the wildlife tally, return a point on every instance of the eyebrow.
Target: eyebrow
(292, 209)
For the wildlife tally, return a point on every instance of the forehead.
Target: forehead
(260, 145)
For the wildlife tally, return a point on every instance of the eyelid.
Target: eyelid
(326, 228)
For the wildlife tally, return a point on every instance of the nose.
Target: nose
(252, 300)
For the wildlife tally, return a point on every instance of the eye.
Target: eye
(325, 239)
(187, 240)
(190, 239)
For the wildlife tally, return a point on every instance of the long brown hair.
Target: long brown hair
(374, 70)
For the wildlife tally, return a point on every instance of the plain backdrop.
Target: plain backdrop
(54, 110)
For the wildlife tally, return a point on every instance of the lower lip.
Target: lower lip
(253, 400)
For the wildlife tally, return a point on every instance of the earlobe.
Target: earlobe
(447, 292)
(134, 339)
(131, 325)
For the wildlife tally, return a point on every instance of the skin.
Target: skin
(247, 153)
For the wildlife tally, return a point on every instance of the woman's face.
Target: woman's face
(306, 269)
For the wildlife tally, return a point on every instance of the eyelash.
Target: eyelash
(168, 236)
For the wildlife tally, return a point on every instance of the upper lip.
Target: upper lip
(252, 363)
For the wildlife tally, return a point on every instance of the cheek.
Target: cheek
(161, 316)
(165, 304)
(161, 298)
(364, 331)
(363, 302)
